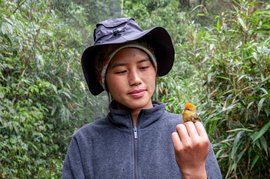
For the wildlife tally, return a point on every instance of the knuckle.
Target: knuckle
(188, 146)
(178, 149)
(197, 144)
(179, 127)
(205, 143)
(206, 140)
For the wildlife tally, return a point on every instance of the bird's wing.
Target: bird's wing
(195, 117)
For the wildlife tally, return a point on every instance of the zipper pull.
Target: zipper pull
(135, 133)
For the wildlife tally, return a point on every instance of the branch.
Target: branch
(18, 6)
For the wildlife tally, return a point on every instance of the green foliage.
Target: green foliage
(94, 11)
(234, 61)
(42, 98)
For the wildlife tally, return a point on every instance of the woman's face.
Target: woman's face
(131, 79)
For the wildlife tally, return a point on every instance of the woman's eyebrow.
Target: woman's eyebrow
(117, 64)
(144, 60)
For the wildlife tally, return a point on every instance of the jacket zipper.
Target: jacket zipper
(135, 152)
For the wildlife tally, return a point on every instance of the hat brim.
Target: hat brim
(158, 38)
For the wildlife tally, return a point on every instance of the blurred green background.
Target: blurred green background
(222, 66)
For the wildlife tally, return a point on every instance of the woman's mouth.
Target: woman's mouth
(137, 93)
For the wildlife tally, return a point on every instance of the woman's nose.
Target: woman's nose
(134, 78)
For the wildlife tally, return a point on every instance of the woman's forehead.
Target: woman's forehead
(128, 54)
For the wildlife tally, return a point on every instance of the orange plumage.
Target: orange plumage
(189, 113)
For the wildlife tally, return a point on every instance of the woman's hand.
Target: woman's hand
(191, 149)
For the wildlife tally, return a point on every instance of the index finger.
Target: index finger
(200, 129)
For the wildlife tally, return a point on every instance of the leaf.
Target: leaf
(265, 91)
(218, 23)
(66, 94)
(236, 144)
(243, 24)
(260, 105)
(53, 110)
(254, 161)
(6, 28)
(223, 77)
(200, 15)
(240, 129)
(240, 155)
(54, 88)
(260, 133)
(264, 145)
(252, 102)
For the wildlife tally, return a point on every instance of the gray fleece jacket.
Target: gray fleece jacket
(113, 148)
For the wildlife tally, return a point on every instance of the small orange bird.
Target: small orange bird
(189, 113)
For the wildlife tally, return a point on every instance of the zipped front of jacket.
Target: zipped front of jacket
(135, 128)
(135, 132)
(135, 146)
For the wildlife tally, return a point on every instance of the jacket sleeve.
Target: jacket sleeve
(72, 167)
(212, 167)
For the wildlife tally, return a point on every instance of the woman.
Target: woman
(138, 138)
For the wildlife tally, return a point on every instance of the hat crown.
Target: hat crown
(110, 29)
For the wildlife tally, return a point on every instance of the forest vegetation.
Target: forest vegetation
(222, 65)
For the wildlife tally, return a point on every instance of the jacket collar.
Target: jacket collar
(123, 118)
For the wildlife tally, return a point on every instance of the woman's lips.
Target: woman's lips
(137, 93)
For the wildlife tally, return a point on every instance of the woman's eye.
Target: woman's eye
(121, 72)
(144, 67)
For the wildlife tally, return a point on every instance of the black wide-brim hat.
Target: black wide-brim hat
(122, 30)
